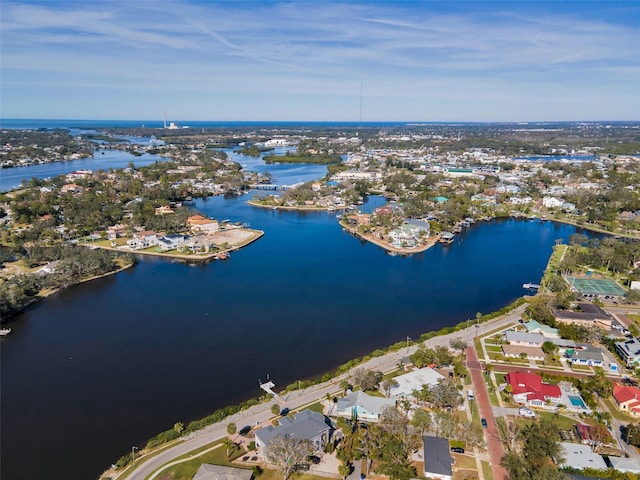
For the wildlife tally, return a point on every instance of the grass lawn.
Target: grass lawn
(478, 344)
(561, 421)
(475, 414)
(317, 407)
(187, 469)
(493, 348)
(580, 368)
(464, 461)
(623, 417)
(486, 471)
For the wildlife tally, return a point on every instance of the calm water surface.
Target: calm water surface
(103, 366)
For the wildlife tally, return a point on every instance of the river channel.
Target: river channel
(98, 368)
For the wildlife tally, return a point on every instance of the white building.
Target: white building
(414, 381)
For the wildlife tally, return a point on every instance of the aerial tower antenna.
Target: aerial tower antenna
(360, 102)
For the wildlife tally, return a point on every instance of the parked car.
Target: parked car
(457, 449)
(483, 421)
(526, 412)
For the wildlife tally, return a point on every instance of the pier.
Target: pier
(531, 286)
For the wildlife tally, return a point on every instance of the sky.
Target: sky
(320, 60)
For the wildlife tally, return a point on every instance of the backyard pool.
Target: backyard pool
(577, 401)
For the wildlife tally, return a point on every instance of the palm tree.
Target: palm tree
(229, 445)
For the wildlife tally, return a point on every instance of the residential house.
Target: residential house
(534, 326)
(360, 406)
(629, 351)
(414, 381)
(71, 187)
(524, 339)
(204, 225)
(580, 457)
(172, 241)
(437, 458)
(307, 424)
(164, 210)
(532, 353)
(627, 399)
(624, 465)
(116, 231)
(588, 314)
(220, 472)
(586, 355)
(144, 239)
(529, 389)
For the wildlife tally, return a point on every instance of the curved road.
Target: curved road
(262, 413)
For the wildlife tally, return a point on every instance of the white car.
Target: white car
(526, 412)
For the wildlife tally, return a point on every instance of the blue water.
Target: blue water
(576, 401)
(106, 365)
(99, 367)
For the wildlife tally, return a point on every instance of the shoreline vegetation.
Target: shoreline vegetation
(124, 263)
(199, 427)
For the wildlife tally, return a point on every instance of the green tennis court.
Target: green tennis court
(596, 286)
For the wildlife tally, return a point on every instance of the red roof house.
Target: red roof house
(627, 398)
(528, 388)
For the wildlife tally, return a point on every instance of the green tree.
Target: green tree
(275, 409)
(231, 428)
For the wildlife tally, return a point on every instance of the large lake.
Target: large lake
(103, 366)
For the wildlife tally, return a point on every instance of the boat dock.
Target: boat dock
(531, 286)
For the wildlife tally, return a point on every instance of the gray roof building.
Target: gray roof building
(524, 338)
(581, 456)
(437, 458)
(219, 472)
(308, 425)
(629, 351)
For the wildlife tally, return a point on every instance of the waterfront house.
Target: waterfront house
(220, 472)
(360, 406)
(524, 339)
(172, 241)
(115, 231)
(627, 399)
(528, 388)
(204, 225)
(437, 458)
(414, 381)
(629, 351)
(144, 239)
(307, 425)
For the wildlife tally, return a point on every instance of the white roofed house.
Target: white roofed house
(360, 406)
(524, 339)
(414, 381)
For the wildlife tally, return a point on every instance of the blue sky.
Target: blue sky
(305, 61)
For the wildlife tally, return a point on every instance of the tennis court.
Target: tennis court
(596, 286)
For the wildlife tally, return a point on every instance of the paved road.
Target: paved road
(494, 445)
(259, 414)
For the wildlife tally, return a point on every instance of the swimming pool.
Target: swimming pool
(576, 401)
